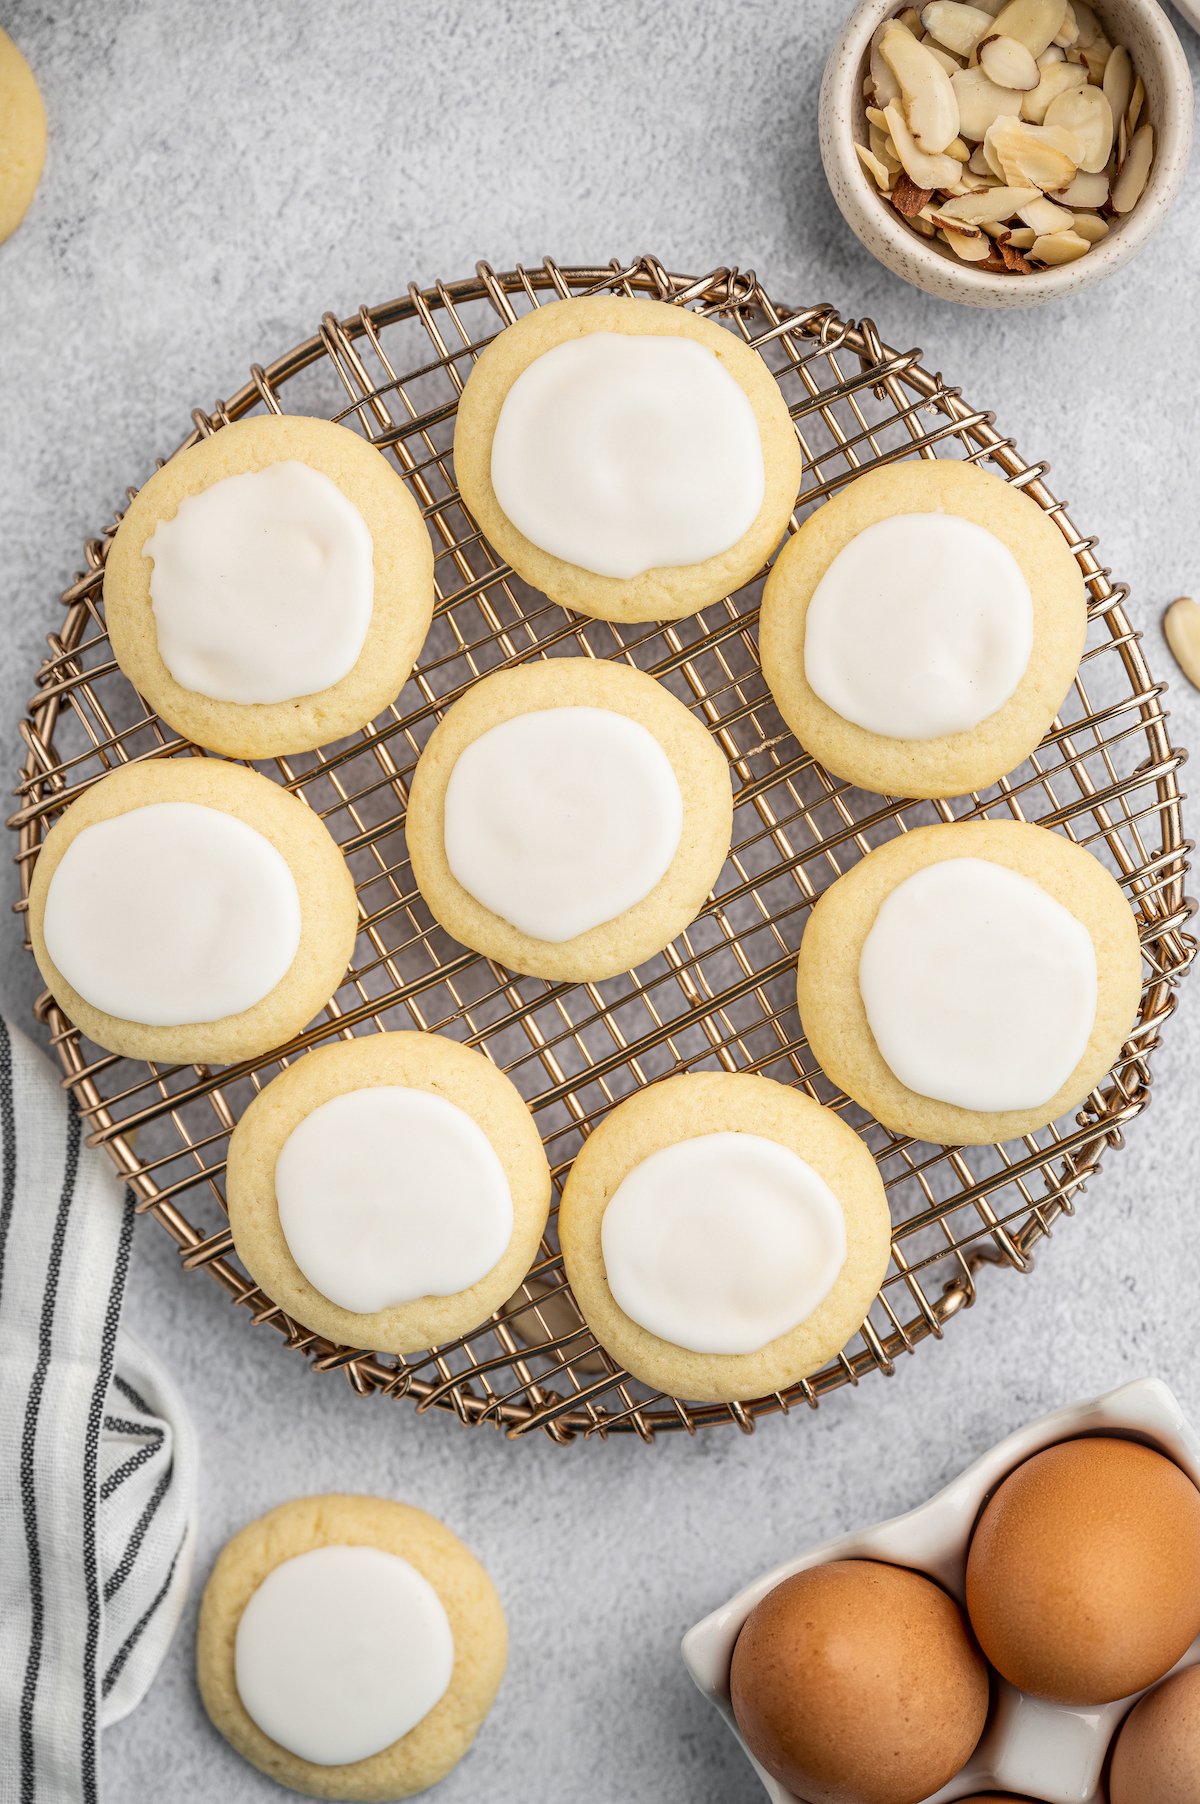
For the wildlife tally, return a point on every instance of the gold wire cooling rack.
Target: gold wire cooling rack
(722, 996)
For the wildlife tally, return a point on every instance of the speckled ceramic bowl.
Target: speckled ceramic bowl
(1143, 27)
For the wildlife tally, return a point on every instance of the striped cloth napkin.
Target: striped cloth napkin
(97, 1456)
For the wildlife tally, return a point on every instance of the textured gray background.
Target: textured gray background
(219, 174)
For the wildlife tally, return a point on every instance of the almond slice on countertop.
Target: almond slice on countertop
(1085, 112)
(1084, 191)
(1045, 217)
(1091, 227)
(980, 103)
(907, 198)
(1134, 171)
(1118, 80)
(929, 104)
(956, 26)
(1058, 247)
(925, 170)
(1034, 23)
(878, 171)
(1039, 156)
(1056, 79)
(1007, 62)
(1181, 624)
(990, 205)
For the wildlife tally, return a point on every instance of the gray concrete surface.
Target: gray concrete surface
(219, 174)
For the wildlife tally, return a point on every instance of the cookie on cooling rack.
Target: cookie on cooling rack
(724, 1235)
(970, 982)
(921, 630)
(349, 1647)
(187, 909)
(388, 1192)
(631, 459)
(568, 818)
(22, 136)
(270, 587)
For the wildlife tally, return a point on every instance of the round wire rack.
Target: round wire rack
(722, 996)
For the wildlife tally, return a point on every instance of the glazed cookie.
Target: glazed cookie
(270, 587)
(22, 136)
(568, 818)
(187, 909)
(349, 1647)
(920, 631)
(631, 459)
(724, 1235)
(388, 1192)
(970, 982)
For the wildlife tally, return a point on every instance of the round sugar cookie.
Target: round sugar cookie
(951, 763)
(687, 1107)
(646, 925)
(22, 136)
(834, 1016)
(324, 891)
(664, 592)
(413, 1061)
(401, 604)
(437, 1742)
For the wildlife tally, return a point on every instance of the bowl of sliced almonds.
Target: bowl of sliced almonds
(1005, 152)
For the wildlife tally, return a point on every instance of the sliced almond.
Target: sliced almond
(877, 170)
(1055, 79)
(1007, 62)
(1127, 189)
(1094, 58)
(1045, 217)
(910, 18)
(925, 170)
(959, 149)
(1014, 258)
(956, 26)
(1085, 112)
(1022, 237)
(929, 104)
(1091, 227)
(1133, 111)
(886, 87)
(1084, 191)
(1068, 32)
(1181, 624)
(1118, 80)
(977, 163)
(923, 226)
(990, 204)
(1087, 25)
(908, 199)
(1034, 23)
(951, 64)
(1052, 54)
(1037, 156)
(976, 249)
(1058, 247)
(938, 217)
(878, 143)
(981, 103)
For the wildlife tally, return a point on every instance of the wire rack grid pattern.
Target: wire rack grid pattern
(722, 996)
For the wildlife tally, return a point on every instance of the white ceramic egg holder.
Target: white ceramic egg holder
(1034, 1749)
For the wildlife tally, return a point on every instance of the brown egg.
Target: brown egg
(1157, 1756)
(1083, 1577)
(858, 1683)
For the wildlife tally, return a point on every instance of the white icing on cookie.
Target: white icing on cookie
(980, 988)
(388, 1194)
(562, 819)
(722, 1243)
(341, 1651)
(921, 626)
(262, 585)
(621, 453)
(173, 913)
